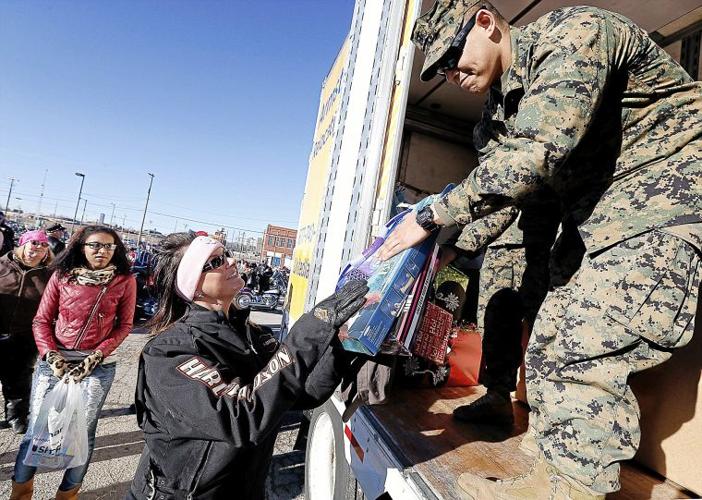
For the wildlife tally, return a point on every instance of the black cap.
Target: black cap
(55, 227)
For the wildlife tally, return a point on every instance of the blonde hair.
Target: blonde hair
(19, 255)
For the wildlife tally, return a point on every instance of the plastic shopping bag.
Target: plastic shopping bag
(60, 433)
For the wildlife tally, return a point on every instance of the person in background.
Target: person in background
(212, 387)
(7, 236)
(56, 233)
(85, 313)
(23, 277)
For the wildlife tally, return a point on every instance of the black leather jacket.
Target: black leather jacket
(210, 397)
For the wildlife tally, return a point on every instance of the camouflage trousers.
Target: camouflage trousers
(500, 313)
(513, 283)
(624, 311)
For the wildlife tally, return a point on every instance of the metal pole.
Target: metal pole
(113, 214)
(41, 195)
(12, 183)
(80, 193)
(85, 202)
(148, 195)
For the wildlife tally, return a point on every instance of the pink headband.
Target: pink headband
(36, 235)
(190, 267)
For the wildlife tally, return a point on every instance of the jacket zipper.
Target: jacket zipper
(81, 335)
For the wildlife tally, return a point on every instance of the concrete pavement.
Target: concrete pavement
(119, 441)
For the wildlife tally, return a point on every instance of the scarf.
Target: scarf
(91, 277)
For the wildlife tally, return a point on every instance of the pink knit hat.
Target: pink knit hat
(36, 235)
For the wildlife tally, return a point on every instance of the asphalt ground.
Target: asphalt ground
(119, 440)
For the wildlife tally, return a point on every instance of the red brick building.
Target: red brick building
(278, 244)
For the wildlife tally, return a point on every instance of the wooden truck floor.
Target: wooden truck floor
(440, 448)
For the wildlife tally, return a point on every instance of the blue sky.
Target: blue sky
(217, 98)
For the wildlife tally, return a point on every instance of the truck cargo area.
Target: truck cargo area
(418, 426)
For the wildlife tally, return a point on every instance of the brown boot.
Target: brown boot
(22, 491)
(71, 494)
(542, 482)
(528, 444)
(492, 408)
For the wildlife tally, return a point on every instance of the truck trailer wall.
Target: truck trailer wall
(317, 175)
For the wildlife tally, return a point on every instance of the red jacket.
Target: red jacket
(66, 308)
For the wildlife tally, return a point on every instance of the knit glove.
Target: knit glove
(57, 363)
(85, 367)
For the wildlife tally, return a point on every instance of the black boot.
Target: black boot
(492, 408)
(16, 411)
(19, 426)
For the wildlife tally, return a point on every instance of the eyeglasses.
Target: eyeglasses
(36, 243)
(216, 262)
(449, 60)
(96, 246)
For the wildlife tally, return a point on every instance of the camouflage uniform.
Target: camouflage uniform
(514, 279)
(595, 111)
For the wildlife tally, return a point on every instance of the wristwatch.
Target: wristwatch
(425, 218)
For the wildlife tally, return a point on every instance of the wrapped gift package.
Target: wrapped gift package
(431, 341)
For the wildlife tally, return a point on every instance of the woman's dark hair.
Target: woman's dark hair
(73, 255)
(171, 306)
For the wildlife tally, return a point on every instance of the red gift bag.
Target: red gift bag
(465, 358)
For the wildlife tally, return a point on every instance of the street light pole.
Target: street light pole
(85, 202)
(80, 193)
(12, 183)
(146, 207)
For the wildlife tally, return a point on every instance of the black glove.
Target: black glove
(57, 363)
(311, 335)
(85, 367)
(337, 309)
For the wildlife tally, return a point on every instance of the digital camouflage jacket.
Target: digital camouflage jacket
(592, 110)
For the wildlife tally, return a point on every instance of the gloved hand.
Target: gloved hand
(57, 363)
(337, 309)
(311, 335)
(85, 367)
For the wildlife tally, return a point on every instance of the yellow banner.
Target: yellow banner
(318, 169)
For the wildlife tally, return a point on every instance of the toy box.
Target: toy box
(389, 284)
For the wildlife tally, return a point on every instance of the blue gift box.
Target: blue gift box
(389, 284)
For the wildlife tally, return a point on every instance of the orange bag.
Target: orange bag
(465, 358)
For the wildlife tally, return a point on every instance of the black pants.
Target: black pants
(17, 358)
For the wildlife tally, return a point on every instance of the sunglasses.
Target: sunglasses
(36, 243)
(449, 61)
(95, 245)
(216, 262)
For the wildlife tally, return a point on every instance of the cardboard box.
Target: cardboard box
(670, 399)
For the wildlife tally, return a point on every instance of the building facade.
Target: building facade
(278, 245)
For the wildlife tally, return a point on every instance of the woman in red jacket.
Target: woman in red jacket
(85, 313)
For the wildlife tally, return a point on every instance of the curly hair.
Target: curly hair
(171, 307)
(73, 255)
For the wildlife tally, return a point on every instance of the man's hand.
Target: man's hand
(407, 234)
(85, 367)
(57, 363)
(337, 309)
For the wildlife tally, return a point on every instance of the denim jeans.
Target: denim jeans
(94, 388)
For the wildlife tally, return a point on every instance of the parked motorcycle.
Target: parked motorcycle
(249, 298)
(146, 303)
